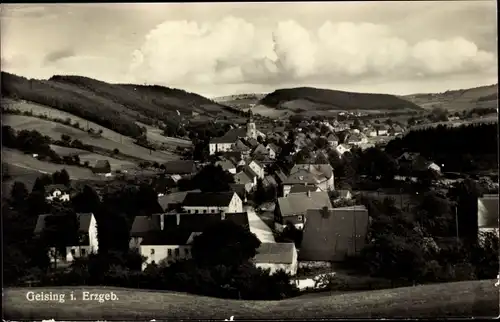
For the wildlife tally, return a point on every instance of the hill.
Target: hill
(460, 299)
(240, 101)
(309, 99)
(113, 106)
(456, 100)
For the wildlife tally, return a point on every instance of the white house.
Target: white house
(277, 256)
(212, 202)
(57, 192)
(258, 168)
(87, 242)
(343, 148)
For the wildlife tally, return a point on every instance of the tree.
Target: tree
(321, 142)
(260, 192)
(225, 243)
(466, 194)
(18, 194)
(211, 178)
(61, 177)
(86, 201)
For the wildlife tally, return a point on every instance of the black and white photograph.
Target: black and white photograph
(250, 160)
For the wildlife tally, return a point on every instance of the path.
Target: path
(259, 227)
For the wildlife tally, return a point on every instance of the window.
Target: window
(212, 211)
(204, 211)
(186, 251)
(196, 211)
(73, 252)
(152, 251)
(176, 251)
(83, 252)
(169, 252)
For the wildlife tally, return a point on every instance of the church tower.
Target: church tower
(251, 129)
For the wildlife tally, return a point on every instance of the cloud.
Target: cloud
(56, 55)
(234, 51)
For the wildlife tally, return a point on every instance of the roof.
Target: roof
(260, 149)
(252, 142)
(257, 163)
(270, 181)
(275, 253)
(249, 172)
(178, 228)
(225, 164)
(231, 136)
(332, 137)
(240, 189)
(325, 170)
(487, 211)
(299, 203)
(174, 198)
(180, 167)
(333, 234)
(309, 173)
(102, 165)
(298, 188)
(301, 177)
(207, 199)
(239, 145)
(353, 137)
(274, 147)
(84, 220)
(280, 175)
(242, 177)
(142, 225)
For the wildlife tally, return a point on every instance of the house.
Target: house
(382, 129)
(221, 144)
(251, 174)
(397, 130)
(370, 131)
(163, 184)
(174, 200)
(226, 165)
(332, 234)
(180, 167)
(102, 167)
(343, 148)
(241, 190)
(260, 150)
(487, 214)
(240, 146)
(258, 168)
(273, 150)
(293, 207)
(252, 143)
(355, 138)
(277, 256)
(85, 243)
(333, 140)
(319, 175)
(212, 202)
(173, 240)
(57, 192)
(414, 162)
(269, 181)
(244, 179)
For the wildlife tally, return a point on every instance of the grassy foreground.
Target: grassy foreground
(460, 299)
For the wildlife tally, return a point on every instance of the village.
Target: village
(307, 223)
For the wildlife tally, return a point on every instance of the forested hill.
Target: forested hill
(114, 106)
(325, 99)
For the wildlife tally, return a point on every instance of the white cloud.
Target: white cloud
(234, 51)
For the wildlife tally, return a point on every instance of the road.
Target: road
(259, 227)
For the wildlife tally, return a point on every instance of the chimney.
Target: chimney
(309, 193)
(324, 212)
(162, 221)
(178, 217)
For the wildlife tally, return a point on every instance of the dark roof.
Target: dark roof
(174, 198)
(231, 136)
(225, 164)
(299, 203)
(333, 234)
(180, 167)
(252, 142)
(142, 225)
(177, 237)
(202, 199)
(270, 181)
(239, 189)
(274, 147)
(487, 211)
(275, 253)
(298, 188)
(242, 178)
(102, 166)
(84, 220)
(249, 172)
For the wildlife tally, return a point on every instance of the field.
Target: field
(457, 100)
(92, 158)
(486, 119)
(55, 130)
(271, 112)
(460, 299)
(155, 135)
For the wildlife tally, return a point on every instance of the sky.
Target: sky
(216, 49)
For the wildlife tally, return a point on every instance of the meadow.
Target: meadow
(458, 299)
(116, 164)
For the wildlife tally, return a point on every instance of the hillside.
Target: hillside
(308, 98)
(113, 106)
(456, 100)
(460, 299)
(240, 101)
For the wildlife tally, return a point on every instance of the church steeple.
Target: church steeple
(251, 129)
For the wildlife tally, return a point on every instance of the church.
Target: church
(228, 141)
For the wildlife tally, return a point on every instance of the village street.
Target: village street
(259, 227)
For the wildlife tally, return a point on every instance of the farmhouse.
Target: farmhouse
(102, 167)
(85, 242)
(174, 200)
(293, 208)
(317, 175)
(277, 256)
(180, 167)
(332, 234)
(166, 238)
(212, 202)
